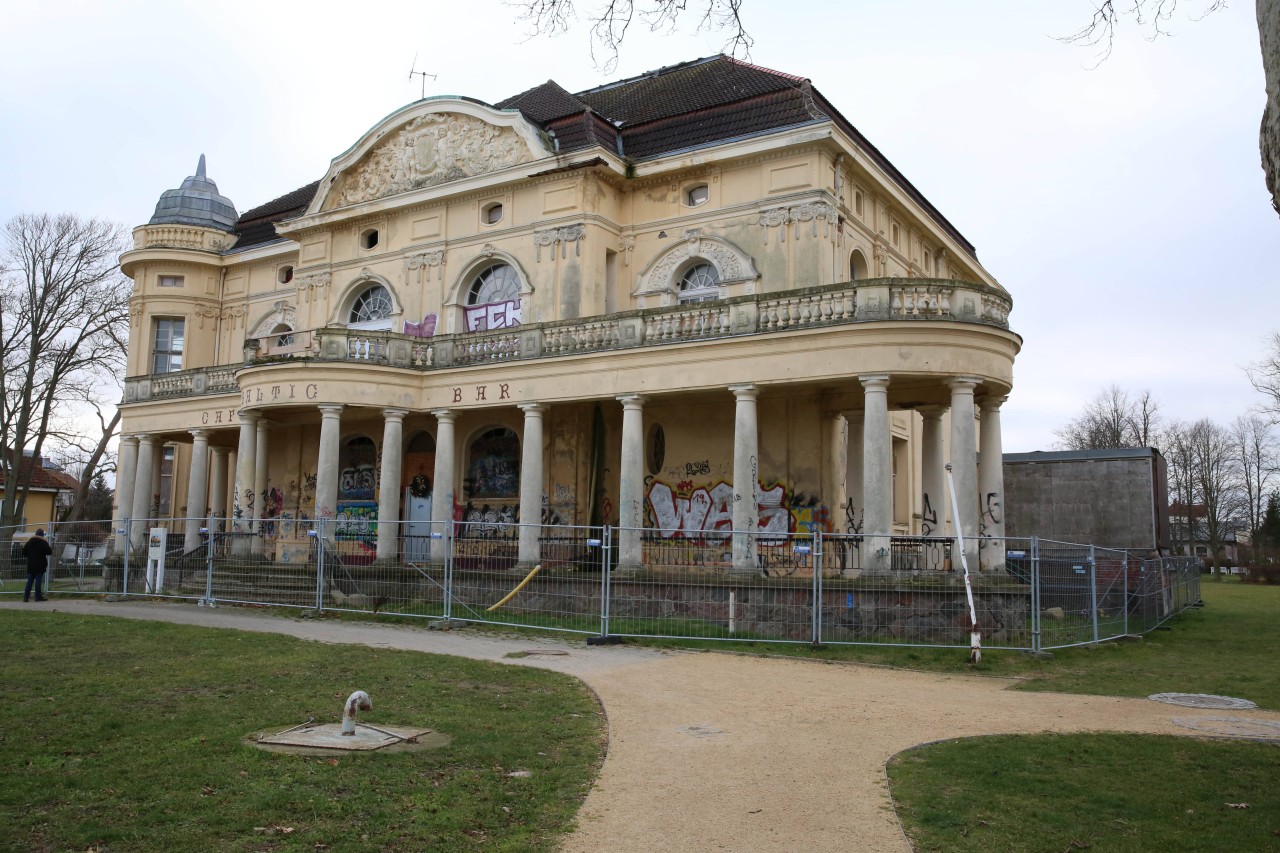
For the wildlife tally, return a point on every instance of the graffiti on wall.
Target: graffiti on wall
(357, 520)
(707, 513)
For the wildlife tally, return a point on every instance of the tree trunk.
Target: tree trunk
(1269, 141)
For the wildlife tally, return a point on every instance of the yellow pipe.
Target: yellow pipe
(519, 587)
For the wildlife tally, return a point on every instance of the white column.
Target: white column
(229, 509)
(217, 485)
(933, 473)
(141, 511)
(746, 474)
(991, 484)
(530, 486)
(442, 490)
(964, 467)
(242, 499)
(877, 475)
(126, 476)
(197, 489)
(631, 484)
(327, 468)
(261, 458)
(389, 485)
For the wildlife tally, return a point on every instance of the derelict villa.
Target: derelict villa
(690, 302)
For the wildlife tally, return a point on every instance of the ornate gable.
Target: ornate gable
(432, 147)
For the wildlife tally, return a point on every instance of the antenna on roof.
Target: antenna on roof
(424, 75)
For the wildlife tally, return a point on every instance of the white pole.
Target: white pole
(975, 638)
(731, 611)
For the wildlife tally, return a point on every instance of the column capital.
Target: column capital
(447, 416)
(394, 414)
(992, 402)
(744, 392)
(147, 439)
(219, 450)
(874, 380)
(331, 410)
(963, 383)
(132, 438)
(198, 434)
(931, 413)
(265, 423)
(531, 409)
(632, 401)
(248, 417)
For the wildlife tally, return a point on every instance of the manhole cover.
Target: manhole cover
(1235, 727)
(1204, 700)
(367, 738)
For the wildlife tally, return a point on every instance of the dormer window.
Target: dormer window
(491, 214)
(697, 196)
(369, 238)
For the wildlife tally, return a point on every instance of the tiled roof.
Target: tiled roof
(257, 226)
(697, 103)
(45, 478)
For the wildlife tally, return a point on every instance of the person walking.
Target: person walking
(37, 551)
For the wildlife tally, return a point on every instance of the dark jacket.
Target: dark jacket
(37, 551)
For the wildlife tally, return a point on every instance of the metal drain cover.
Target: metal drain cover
(1204, 700)
(329, 736)
(1234, 727)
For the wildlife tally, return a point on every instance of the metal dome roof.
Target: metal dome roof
(196, 202)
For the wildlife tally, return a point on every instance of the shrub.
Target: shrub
(1268, 574)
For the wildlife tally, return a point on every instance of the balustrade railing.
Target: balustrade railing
(829, 305)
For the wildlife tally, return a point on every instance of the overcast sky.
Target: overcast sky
(1123, 206)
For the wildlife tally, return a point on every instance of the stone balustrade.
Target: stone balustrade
(180, 237)
(831, 305)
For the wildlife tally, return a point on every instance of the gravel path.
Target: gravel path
(728, 752)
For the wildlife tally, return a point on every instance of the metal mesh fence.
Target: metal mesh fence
(722, 585)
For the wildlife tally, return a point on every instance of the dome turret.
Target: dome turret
(196, 202)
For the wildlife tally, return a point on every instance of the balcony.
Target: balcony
(877, 300)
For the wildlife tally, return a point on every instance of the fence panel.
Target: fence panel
(488, 582)
(411, 583)
(689, 588)
(920, 599)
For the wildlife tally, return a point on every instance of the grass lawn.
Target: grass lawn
(1101, 792)
(126, 735)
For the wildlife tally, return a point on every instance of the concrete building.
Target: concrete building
(698, 300)
(1115, 498)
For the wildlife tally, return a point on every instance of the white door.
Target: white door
(417, 530)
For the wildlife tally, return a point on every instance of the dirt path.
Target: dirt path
(727, 752)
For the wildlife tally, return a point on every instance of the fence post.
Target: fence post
(128, 546)
(208, 570)
(448, 537)
(817, 587)
(1126, 593)
(1093, 589)
(606, 569)
(318, 533)
(1037, 642)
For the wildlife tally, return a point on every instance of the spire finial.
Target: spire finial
(200, 167)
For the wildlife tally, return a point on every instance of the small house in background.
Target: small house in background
(50, 491)
(1115, 498)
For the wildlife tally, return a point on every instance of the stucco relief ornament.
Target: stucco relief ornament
(627, 245)
(562, 236)
(305, 284)
(726, 261)
(488, 250)
(422, 260)
(206, 312)
(432, 149)
(812, 213)
(772, 218)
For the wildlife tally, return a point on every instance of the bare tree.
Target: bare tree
(1112, 419)
(1175, 441)
(1217, 484)
(611, 19)
(1254, 448)
(1264, 374)
(1154, 16)
(63, 332)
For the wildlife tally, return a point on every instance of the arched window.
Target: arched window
(372, 309)
(700, 283)
(282, 335)
(494, 299)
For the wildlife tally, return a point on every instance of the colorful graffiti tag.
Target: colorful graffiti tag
(708, 513)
